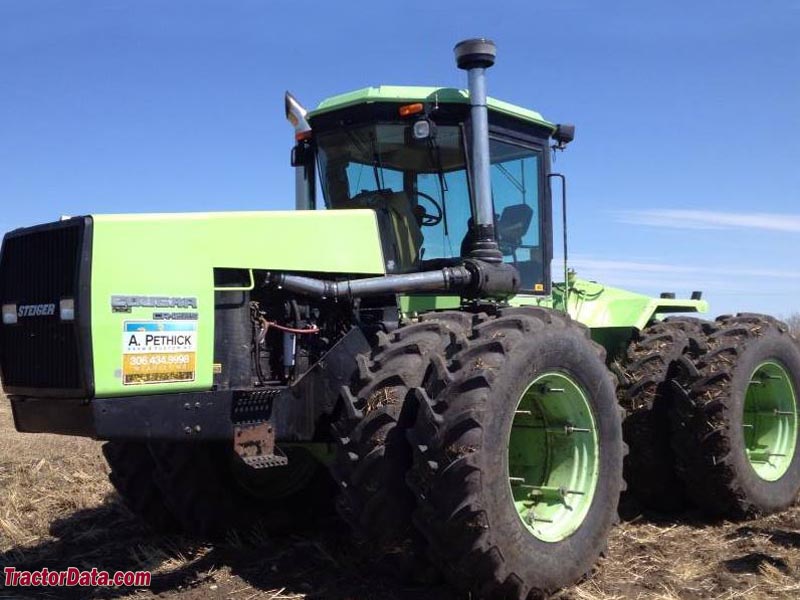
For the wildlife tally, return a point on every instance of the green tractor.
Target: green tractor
(409, 340)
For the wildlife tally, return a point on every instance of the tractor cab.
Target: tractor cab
(405, 153)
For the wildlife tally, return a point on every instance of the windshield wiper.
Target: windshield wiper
(436, 156)
(377, 168)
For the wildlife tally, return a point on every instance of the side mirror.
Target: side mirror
(563, 135)
(302, 154)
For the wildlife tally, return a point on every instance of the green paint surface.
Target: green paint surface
(769, 423)
(553, 457)
(410, 94)
(611, 313)
(174, 255)
(601, 306)
(413, 305)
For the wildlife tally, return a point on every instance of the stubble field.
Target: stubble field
(57, 510)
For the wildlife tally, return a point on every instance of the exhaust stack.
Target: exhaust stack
(304, 183)
(475, 56)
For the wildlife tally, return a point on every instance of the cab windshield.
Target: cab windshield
(420, 190)
(420, 183)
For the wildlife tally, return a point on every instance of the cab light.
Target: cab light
(422, 130)
(9, 314)
(301, 136)
(411, 109)
(66, 309)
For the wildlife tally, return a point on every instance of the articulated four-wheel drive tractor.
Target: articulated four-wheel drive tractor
(410, 339)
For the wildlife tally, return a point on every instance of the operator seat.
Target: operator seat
(395, 217)
(512, 226)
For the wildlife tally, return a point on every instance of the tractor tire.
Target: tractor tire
(373, 454)
(131, 473)
(529, 391)
(212, 492)
(645, 375)
(735, 426)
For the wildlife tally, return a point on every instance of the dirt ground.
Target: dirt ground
(57, 509)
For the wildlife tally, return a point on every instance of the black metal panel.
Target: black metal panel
(66, 416)
(40, 266)
(189, 416)
(298, 413)
(192, 416)
(232, 340)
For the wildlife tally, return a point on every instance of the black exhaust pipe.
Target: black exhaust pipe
(475, 56)
(473, 279)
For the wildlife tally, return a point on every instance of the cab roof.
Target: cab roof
(408, 94)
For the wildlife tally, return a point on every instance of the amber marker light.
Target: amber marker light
(411, 109)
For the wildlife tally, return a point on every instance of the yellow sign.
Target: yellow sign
(159, 352)
(158, 367)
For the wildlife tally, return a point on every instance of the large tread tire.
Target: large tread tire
(460, 470)
(131, 469)
(373, 454)
(708, 436)
(656, 355)
(203, 484)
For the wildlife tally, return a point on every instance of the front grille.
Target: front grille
(40, 266)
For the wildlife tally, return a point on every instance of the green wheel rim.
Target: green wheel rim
(770, 421)
(553, 457)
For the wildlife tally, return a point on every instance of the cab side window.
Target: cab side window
(516, 187)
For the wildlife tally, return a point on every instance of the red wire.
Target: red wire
(312, 329)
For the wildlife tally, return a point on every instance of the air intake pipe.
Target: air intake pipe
(473, 279)
(475, 56)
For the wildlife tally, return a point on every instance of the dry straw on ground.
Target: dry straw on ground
(57, 510)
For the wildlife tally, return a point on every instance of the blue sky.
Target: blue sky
(684, 173)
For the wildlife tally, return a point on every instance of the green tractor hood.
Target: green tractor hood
(600, 306)
(174, 256)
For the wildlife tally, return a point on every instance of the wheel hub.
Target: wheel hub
(553, 457)
(770, 421)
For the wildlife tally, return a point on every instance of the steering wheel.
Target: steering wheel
(427, 219)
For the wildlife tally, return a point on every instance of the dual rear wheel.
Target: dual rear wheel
(711, 415)
(516, 451)
(735, 420)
